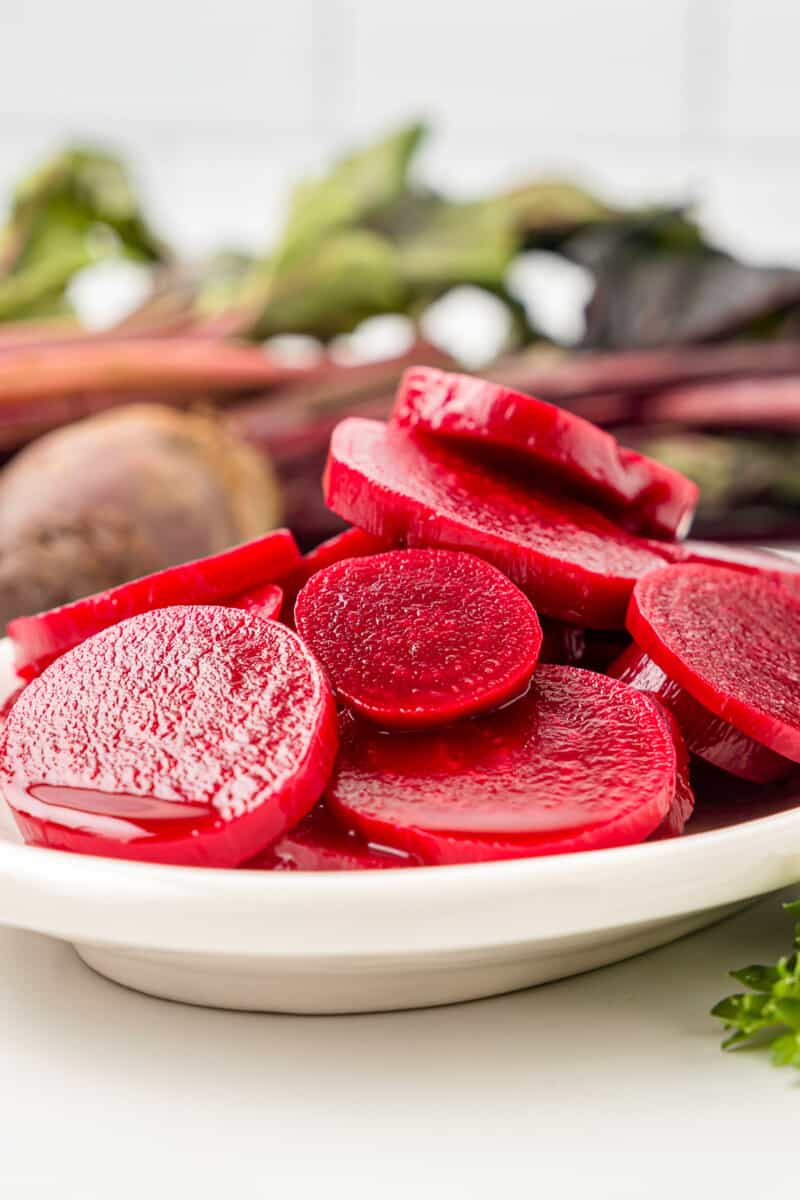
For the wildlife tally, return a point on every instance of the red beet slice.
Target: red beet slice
(682, 806)
(350, 543)
(751, 559)
(319, 843)
(581, 762)
(191, 735)
(39, 639)
(731, 639)
(643, 495)
(573, 563)
(266, 601)
(413, 638)
(706, 735)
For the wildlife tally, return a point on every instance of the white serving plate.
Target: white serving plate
(367, 941)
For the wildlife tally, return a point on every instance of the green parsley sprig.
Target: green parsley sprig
(770, 1010)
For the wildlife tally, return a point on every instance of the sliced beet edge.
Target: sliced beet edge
(706, 735)
(39, 639)
(731, 639)
(581, 762)
(751, 559)
(414, 638)
(643, 495)
(319, 843)
(265, 601)
(350, 543)
(187, 735)
(682, 806)
(574, 564)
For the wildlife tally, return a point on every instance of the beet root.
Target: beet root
(580, 762)
(641, 494)
(706, 735)
(573, 563)
(188, 735)
(123, 495)
(731, 639)
(319, 843)
(413, 638)
(38, 640)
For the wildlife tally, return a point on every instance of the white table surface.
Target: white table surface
(606, 1085)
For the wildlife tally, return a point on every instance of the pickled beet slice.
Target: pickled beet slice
(731, 639)
(581, 762)
(682, 806)
(350, 543)
(266, 601)
(413, 638)
(189, 735)
(644, 496)
(39, 639)
(706, 735)
(319, 843)
(751, 559)
(573, 563)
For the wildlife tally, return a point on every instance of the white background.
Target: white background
(219, 104)
(610, 1086)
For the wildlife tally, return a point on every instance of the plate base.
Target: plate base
(378, 984)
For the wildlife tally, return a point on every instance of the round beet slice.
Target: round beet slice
(191, 735)
(706, 735)
(319, 843)
(266, 601)
(39, 639)
(731, 639)
(573, 563)
(580, 762)
(645, 496)
(419, 637)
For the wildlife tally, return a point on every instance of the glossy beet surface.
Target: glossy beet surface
(265, 602)
(579, 763)
(732, 640)
(706, 735)
(214, 580)
(682, 806)
(419, 637)
(750, 559)
(184, 735)
(350, 543)
(644, 495)
(319, 843)
(573, 563)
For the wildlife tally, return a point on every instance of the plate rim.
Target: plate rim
(472, 905)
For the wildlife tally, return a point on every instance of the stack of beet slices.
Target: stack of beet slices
(508, 653)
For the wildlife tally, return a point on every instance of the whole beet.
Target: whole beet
(120, 495)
